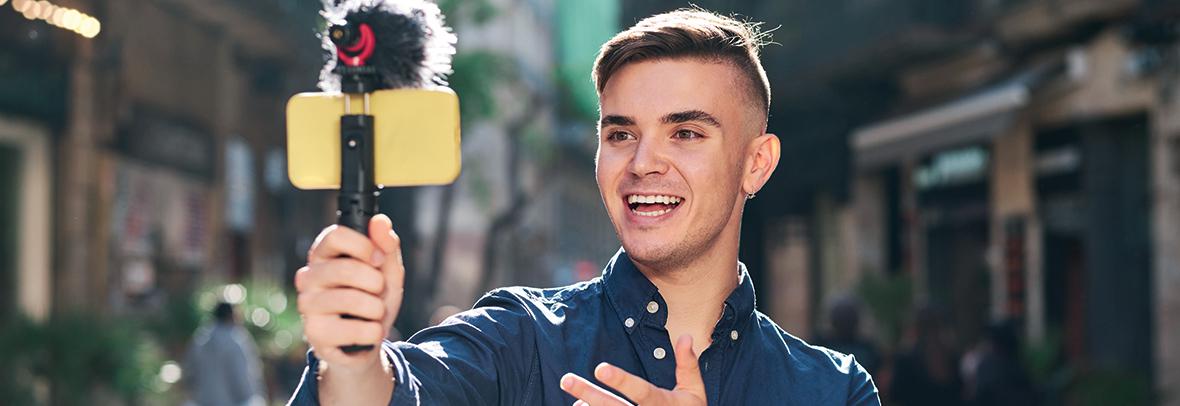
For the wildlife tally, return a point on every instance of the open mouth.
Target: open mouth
(652, 205)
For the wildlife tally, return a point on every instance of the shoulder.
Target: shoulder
(542, 299)
(820, 364)
(530, 305)
(799, 351)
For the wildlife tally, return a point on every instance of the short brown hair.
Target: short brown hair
(688, 33)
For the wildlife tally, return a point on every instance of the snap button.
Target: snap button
(630, 322)
(733, 335)
(659, 353)
(653, 307)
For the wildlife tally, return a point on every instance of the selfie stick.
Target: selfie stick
(357, 201)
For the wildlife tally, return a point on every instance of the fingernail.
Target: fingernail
(378, 258)
(605, 371)
(566, 381)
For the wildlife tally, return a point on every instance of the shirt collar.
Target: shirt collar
(741, 302)
(629, 291)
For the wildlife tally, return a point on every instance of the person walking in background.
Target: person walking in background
(996, 375)
(844, 315)
(925, 373)
(222, 365)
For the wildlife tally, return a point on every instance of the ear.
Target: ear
(761, 159)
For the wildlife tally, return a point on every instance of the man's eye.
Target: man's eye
(619, 136)
(687, 134)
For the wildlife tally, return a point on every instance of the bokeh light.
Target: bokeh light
(171, 372)
(233, 294)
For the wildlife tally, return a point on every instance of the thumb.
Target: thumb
(383, 236)
(688, 370)
(387, 241)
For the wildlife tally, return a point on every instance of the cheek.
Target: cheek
(608, 165)
(605, 174)
(713, 177)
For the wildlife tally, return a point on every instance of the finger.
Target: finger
(336, 241)
(588, 392)
(579, 402)
(633, 387)
(341, 301)
(336, 357)
(330, 331)
(688, 369)
(340, 273)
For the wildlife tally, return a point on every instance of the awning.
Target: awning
(974, 118)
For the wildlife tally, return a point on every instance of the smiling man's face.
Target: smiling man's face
(674, 140)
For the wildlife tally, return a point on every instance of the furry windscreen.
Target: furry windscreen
(413, 45)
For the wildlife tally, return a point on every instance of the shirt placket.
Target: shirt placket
(712, 361)
(652, 344)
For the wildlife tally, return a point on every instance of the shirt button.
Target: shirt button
(659, 353)
(630, 322)
(733, 335)
(653, 307)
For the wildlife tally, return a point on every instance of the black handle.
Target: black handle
(357, 201)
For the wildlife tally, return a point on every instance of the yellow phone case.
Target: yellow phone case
(416, 137)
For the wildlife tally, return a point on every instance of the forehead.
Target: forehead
(650, 89)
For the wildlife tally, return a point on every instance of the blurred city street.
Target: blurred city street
(979, 199)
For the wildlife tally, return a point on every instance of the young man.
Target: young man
(682, 145)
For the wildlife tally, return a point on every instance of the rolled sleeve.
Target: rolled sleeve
(482, 356)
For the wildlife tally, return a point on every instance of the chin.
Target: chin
(653, 254)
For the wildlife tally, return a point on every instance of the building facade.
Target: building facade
(1030, 177)
(138, 159)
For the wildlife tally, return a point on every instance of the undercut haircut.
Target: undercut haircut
(694, 34)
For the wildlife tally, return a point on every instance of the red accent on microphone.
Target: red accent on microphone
(364, 44)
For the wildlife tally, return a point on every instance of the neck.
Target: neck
(696, 292)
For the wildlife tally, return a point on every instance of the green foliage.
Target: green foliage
(267, 310)
(1042, 358)
(475, 73)
(538, 145)
(477, 183)
(1112, 387)
(75, 354)
(18, 338)
(475, 76)
(174, 326)
(476, 11)
(889, 300)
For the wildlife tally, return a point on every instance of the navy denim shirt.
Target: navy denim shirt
(514, 345)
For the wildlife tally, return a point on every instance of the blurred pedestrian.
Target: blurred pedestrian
(222, 365)
(844, 316)
(995, 375)
(925, 373)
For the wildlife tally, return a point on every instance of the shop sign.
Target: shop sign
(1057, 161)
(953, 167)
(168, 143)
(239, 185)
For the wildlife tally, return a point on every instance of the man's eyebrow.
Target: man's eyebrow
(691, 115)
(616, 120)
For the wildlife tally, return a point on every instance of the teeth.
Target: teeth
(650, 199)
(651, 213)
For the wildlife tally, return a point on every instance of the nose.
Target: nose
(649, 158)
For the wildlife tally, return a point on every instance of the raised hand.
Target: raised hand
(690, 388)
(350, 273)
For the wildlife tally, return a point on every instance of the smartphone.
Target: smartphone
(415, 136)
